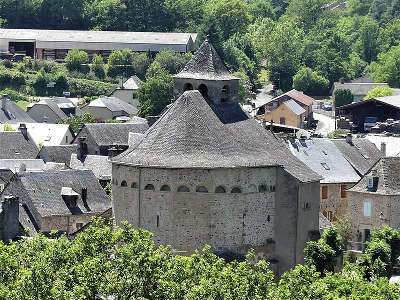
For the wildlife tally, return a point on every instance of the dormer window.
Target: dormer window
(325, 165)
(369, 182)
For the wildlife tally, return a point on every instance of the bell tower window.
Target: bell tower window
(187, 87)
(203, 90)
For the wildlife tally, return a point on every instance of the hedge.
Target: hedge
(85, 87)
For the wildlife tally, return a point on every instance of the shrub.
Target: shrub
(77, 60)
(379, 91)
(7, 63)
(86, 87)
(343, 97)
(310, 82)
(97, 66)
(7, 127)
(47, 65)
(140, 63)
(77, 120)
(120, 63)
(14, 95)
(171, 61)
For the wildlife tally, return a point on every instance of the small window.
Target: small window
(330, 216)
(220, 190)
(262, 188)
(343, 193)
(66, 139)
(325, 165)
(365, 155)
(149, 187)
(236, 190)
(324, 191)
(123, 183)
(165, 188)
(116, 182)
(134, 185)
(73, 202)
(183, 189)
(188, 87)
(225, 90)
(367, 209)
(268, 218)
(282, 121)
(158, 221)
(201, 189)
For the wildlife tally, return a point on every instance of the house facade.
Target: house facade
(288, 113)
(109, 108)
(127, 91)
(206, 173)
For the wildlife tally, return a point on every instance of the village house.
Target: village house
(98, 164)
(288, 113)
(22, 165)
(127, 91)
(324, 158)
(55, 44)
(11, 113)
(109, 108)
(57, 154)
(17, 144)
(388, 145)
(46, 111)
(376, 199)
(59, 200)
(207, 173)
(98, 138)
(358, 89)
(306, 102)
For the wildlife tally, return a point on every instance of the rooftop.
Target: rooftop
(58, 154)
(99, 165)
(113, 104)
(52, 106)
(324, 158)
(133, 83)
(13, 145)
(193, 133)
(13, 113)
(298, 96)
(206, 64)
(392, 143)
(294, 107)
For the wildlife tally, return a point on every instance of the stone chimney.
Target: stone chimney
(24, 130)
(349, 138)
(82, 148)
(9, 218)
(383, 149)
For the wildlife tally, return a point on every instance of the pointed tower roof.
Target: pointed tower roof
(191, 135)
(206, 64)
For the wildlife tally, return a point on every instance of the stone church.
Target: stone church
(207, 173)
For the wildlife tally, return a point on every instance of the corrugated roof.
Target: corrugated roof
(324, 158)
(294, 107)
(206, 64)
(193, 133)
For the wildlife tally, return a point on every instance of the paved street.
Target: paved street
(326, 124)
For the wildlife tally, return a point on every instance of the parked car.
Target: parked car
(327, 106)
(369, 122)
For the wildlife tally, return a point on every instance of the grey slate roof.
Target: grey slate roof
(392, 143)
(105, 134)
(58, 154)
(314, 153)
(13, 113)
(206, 64)
(192, 134)
(5, 176)
(133, 83)
(387, 170)
(361, 153)
(13, 145)
(294, 107)
(114, 104)
(41, 191)
(16, 164)
(99, 165)
(52, 106)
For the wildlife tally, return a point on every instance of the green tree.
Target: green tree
(141, 62)
(108, 15)
(171, 61)
(154, 95)
(97, 66)
(387, 68)
(310, 82)
(359, 7)
(379, 91)
(77, 60)
(120, 63)
(343, 97)
(77, 120)
(367, 43)
(244, 87)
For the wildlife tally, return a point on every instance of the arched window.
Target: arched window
(149, 187)
(183, 189)
(262, 188)
(201, 189)
(220, 189)
(225, 90)
(134, 185)
(165, 188)
(203, 90)
(116, 181)
(236, 190)
(187, 87)
(123, 183)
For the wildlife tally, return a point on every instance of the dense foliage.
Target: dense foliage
(343, 97)
(77, 121)
(379, 91)
(125, 264)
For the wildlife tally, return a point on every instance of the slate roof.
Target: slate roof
(361, 153)
(358, 88)
(52, 106)
(298, 96)
(387, 170)
(15, 164)
(193, 133)
(105, 134)
(113, 104)
(58, 154)
(5, 176)
(133, 83)
(13, 145)
(317, 152)
(48, 134)
(13, 113)
(294, 107)
(393, 101)
(392, 143)
(99, 165)
(41, 191)
(206, 64)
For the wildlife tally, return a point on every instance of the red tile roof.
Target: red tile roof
(300, 97)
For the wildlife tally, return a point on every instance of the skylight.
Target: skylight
(324, 152)
(365, 155)
(325, 165)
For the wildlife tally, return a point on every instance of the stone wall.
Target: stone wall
(334, 202)
(9, 218)
(67, 224)
(291, 119)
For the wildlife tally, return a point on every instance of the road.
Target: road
(326, 124)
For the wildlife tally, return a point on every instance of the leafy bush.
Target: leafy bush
(97, 66)
(379, 91)
(120, 63)
(343, 97)
(310, 82)
(171, 61)
(140, 63)
(7, 127)
(77, 120)
(13, 95)
(48, 66)
(77, 60)
(7, 63)
(86, 87)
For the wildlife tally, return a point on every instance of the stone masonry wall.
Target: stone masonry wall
(334, 201)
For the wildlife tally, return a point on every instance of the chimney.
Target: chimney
(112, 151)
(24, 130)
(383, 149)
(82, 148)
(84, 195)
(9, 224)
(121, 83)
(4, 102)
(349, 138)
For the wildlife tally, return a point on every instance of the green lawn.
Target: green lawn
(23, 104)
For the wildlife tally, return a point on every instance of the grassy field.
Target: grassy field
(23, 104)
